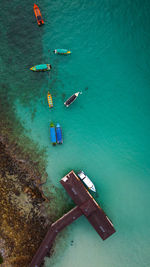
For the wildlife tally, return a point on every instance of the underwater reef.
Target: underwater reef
(23, 217)
(25, 213)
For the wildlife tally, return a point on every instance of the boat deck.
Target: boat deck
(86, 205)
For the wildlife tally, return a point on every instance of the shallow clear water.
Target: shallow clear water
(106, 131)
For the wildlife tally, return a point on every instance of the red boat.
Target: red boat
(38, 15)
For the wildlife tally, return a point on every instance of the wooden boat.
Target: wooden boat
(42, 67)
(49, 99)
(59, 134)
(38, 15)
(52, 134)
(71, 99)
(62, 51)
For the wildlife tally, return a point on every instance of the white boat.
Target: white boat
(85, 179)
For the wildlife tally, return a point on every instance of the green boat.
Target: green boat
(42, 67)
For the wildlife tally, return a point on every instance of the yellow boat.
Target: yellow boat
(49, 99)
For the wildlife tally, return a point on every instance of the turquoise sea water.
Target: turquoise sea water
(106, 131)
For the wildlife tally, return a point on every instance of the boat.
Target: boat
(85, 179)
(59, 134)
(62, 51)
(52, 134)
(42, 67)
(38, 15)
(49, 99)
(71, 99)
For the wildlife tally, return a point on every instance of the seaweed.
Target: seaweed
(1, 259)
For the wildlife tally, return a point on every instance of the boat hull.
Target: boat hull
(71, 99)
(52, 134)
(86, 180)
(59, 134)
(49, 99)
(38, 15)
(62, 52)
(42, 67)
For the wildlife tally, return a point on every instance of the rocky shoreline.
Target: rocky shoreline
(24, 219)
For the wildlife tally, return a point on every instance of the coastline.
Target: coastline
(26, 212)
(23, 217)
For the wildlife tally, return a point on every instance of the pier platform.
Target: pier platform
(85, 205)
(90, 208)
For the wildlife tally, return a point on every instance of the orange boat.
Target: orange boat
(38, 15)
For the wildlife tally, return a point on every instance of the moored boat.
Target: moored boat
(42, 67)
(38, 15)
(49, 99)
(62, 51)
(59, 134)
(71, 99)
(86, 180)
(52, 134)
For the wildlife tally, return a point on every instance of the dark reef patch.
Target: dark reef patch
(23, 217)
(1, 259)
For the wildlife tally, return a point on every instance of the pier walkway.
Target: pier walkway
(86, 205)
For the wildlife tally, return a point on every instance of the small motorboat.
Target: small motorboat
(42, 67)
(49, 99)
(53, 134)
(59, 134)
(71, 99)
(85, 179)
(38, 15)
(62, 51)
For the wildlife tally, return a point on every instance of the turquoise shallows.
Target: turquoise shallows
(106, 131)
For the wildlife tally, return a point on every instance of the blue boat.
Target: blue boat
(53, 134)
(42, 67)
(62, 51)
(59, 134)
